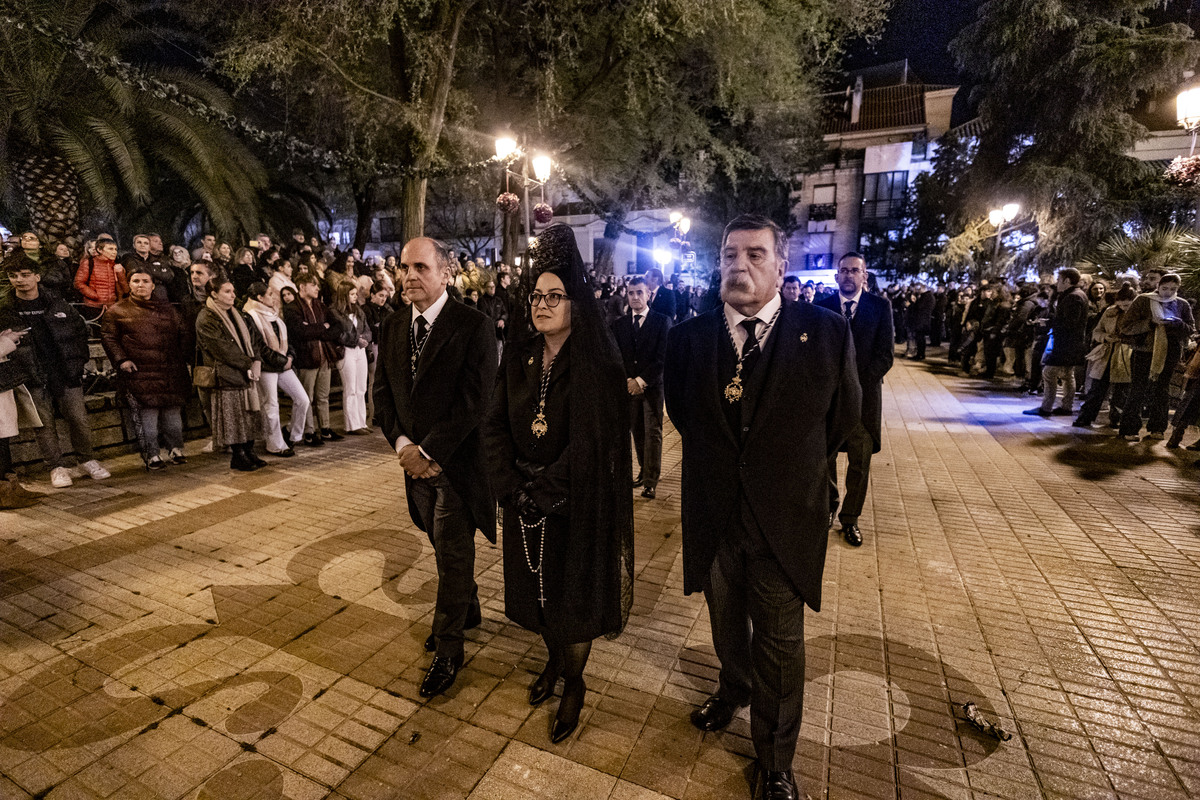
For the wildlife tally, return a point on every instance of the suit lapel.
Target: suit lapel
(403, 348)
(710, 380)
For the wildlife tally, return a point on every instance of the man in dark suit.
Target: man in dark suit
(762, 393)
(660, 299)
(433, 383)
(870, 319)
(642, 339)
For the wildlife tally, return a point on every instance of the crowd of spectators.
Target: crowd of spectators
(1075, 340)
(234, 327)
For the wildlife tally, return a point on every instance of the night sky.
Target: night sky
(919, 30)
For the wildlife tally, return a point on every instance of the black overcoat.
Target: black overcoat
(442, 408)
(801, 401)
(874, 353)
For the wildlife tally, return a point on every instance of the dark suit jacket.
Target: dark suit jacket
(442, 408)
(664, 302)
(644, 351)
(800, 403)
(874, 352)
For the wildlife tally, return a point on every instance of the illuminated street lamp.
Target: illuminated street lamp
(505, 147)
(506, 150)
(998, 217)
(675, 216)
(1187, 113)
(684, 225)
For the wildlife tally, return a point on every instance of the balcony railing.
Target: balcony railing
(822, 212)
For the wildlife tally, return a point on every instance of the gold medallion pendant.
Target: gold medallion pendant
(539, 426)
(733, 392)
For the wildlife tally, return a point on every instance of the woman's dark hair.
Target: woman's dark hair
(289, 290)
(341, 299)
(216, 283)
(256, 290)
(378, 286)
(1170, 277)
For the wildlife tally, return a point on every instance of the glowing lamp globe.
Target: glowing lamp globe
(1187, 108)
(505, 147)
(541, 168)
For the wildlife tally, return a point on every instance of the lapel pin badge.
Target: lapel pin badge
(804, 337)
(531, 361)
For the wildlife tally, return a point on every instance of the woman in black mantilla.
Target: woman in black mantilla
(559, 447)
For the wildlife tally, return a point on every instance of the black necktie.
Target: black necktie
(849, 306)
(637, 321)
(750, 349)
(418, 341)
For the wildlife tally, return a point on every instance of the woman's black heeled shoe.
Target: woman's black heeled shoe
(567, 718)
(542, 688)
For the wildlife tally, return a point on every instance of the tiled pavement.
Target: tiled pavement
(203, 634)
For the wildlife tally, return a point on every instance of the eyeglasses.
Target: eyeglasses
(552, 299)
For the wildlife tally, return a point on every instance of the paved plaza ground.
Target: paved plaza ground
(200, 633)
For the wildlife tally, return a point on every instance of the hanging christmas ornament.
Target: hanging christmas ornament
(543, 213)
(508, 202)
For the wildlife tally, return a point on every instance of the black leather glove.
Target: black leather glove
(526, 506)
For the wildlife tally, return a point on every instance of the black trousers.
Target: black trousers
(922, 335)
(1094, 399)
(757, 621)
(646, 422)
(1153, 394)
(859, 445)
(452, 534)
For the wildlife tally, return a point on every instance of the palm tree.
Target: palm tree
(71, 132)
(1173, 248)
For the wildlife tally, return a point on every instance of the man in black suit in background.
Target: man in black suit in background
(870, 320)
(433, 383)
(660, 299)
(642, 339)
(762, 393)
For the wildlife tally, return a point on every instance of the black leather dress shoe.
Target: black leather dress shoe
(648, 493)
(542, 689)
(567, 717)
(852, 535)
(777, 785)
(473, 621)
(329, 435)
(715, 714)
(638, 481)
(440, 676)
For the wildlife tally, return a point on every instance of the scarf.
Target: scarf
(1158, 361)
(265, 319)
(241, 334)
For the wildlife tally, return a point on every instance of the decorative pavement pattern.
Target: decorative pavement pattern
(205, 634)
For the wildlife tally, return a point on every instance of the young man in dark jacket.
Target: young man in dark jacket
(1067, 347)
(53, 355)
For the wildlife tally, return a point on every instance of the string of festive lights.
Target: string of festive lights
(100, 63)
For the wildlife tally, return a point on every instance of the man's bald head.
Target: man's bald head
(424, 270)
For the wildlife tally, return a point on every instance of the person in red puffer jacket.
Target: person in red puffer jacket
(100, 279)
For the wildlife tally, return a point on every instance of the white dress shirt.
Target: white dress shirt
(430, 314)
(764, 315)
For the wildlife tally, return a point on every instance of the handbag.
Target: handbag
(204, 377)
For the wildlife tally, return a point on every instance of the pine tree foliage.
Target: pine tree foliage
(1056, 84)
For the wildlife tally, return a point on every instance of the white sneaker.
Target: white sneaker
(208, 447)
(1133, 437)
(60, 477)
(94, 469)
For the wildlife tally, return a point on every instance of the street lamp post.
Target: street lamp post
(1187, 113)
(506, 148)
(998, 217)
